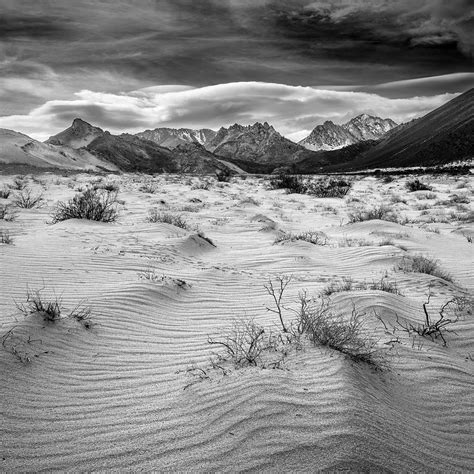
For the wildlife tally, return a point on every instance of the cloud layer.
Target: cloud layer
(293, 110)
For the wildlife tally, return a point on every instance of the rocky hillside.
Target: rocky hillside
(258, 143)
(78, 135)
(172, 137)
(330, 136)
(19, 149)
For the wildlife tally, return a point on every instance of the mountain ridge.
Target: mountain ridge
(330, 136)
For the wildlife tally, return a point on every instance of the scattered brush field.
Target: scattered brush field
(187, 323)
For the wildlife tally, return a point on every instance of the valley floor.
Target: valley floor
(125, 394)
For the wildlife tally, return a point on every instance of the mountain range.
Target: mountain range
(330, 136)
(442, 136)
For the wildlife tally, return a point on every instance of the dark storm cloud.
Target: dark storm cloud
(34, 27)
(215, 41)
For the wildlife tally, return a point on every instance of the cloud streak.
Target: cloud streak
(293, 110)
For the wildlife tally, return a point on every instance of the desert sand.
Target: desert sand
(125, 394)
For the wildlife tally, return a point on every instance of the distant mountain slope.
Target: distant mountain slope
(130, 153)
(171, 137)
(78, 135)
(444, 135)
(258, 143)
(17, 148)
(330, 136)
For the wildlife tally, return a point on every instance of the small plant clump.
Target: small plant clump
(154, 215)
(5, 237)
(223, 176)
(292, 183)
(329, 188)
(19, 183)
(417, 185)
(92, 204)
(6, 213)
(323, 326)
(26, 199)
(5, 192)
(378, 212)
(35, 304)
(448, 314)
(422, 264)
(244, 343)
(313, 237)
(51, 309)
(321, 188)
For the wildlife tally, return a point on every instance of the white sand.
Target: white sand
(110, 398)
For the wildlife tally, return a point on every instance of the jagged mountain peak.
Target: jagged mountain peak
(78, 135)
(331, 136)
(172, 137)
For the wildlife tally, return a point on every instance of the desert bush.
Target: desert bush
(422, 264)
(111, 187)
(448, 314)
(92, 204)
(19, 183)
(249, 200)
(292, 183)
(328, 188)
(26, 199)
(148, 188)
(6, 213)
(416, 185)
(378, 212)
(5, 237)
(245, 343)
(223, 176)
(318, 321)
(154, 215)
(5, 192)
(388, 179)
(204, 184)
(313, 237)
(459, 199)
(346, 284)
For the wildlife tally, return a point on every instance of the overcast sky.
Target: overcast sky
(137, 64)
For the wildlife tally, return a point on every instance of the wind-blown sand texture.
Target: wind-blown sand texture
(117, 396)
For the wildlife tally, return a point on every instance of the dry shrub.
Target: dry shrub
(92, 204)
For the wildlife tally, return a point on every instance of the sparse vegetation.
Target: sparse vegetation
(154, 215)
(348, 284)
(92, 204)
(422, 264)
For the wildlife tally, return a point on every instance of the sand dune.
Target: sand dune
(117, 396)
